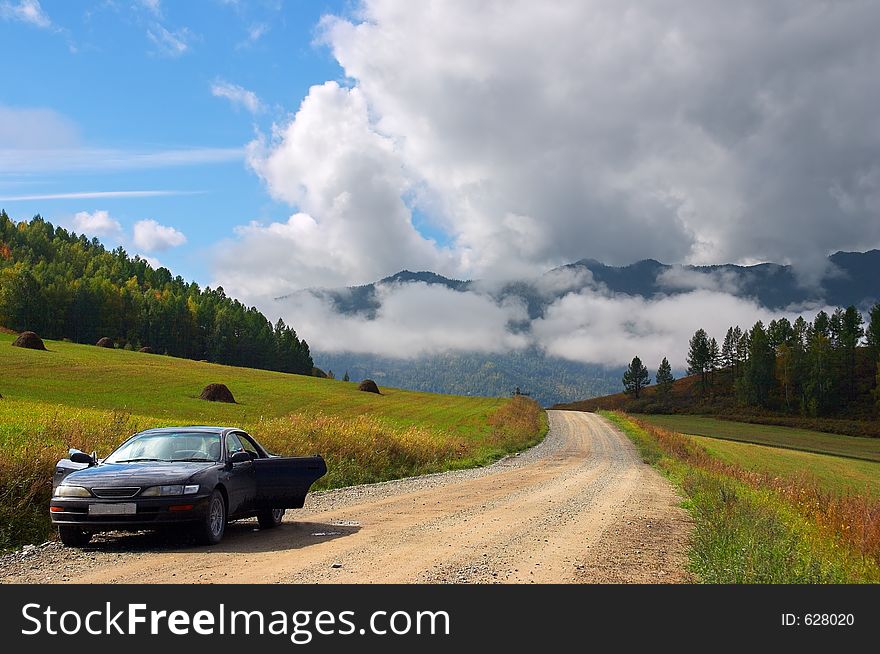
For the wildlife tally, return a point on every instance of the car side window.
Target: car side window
(248, 445)
(233, 445)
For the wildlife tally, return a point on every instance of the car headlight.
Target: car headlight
(171, 489)
(71, 491)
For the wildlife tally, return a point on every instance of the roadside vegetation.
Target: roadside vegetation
(793, 438)
(757, 524)
(833, 473)
(93, 398)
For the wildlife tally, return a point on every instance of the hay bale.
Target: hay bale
(147, 350)
(30, 341)
(369, 386)
(217, 393)
(105, 342)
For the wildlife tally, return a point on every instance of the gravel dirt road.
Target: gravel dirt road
(579, 507)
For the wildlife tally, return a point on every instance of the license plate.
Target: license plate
(126, 508)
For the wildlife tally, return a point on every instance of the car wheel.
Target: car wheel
(210, 531)
(74, 536)
(270, 518)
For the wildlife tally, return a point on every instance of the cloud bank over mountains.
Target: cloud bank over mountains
(496, 140)
(531, 134)
(580, 320)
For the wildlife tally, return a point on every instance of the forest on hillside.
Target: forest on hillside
(63, 285)
(826, 369)
(813, 368)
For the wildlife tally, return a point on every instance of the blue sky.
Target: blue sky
(108, 82)
(446, 135)
(480, 140)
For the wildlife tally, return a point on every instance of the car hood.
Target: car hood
(144, 473)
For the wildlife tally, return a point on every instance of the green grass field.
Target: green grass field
(782, 437)
(93, 398)
(834, 473)
(162, 389)
(758, 518)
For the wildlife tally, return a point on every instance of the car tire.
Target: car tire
(210, 531)
(269, 518)
(74, 536)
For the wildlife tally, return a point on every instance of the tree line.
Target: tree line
(806, 367)
(63, 285)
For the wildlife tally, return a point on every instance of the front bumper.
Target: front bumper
(151, 512)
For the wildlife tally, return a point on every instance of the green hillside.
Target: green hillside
(835, 474)
(92, 398)
(791, 438)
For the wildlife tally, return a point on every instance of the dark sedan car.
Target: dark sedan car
(193, 477)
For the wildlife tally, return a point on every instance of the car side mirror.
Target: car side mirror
(78, 456)
(240, 457)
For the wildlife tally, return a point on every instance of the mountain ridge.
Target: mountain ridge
(855, 280)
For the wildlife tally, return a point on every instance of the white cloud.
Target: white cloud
(47, 159)
(93, 195)
(597, 328)
(153, 261)
(168, 43)
(254, 33)
(26, 11)
(97, 223)
(35, 128)
(590, 326)
(679, 278)
(237, 95)
(153, 6)
(40, 140)
(536, 134)
(679, 131)
(352, 224)
(150, 236)
(414, 319)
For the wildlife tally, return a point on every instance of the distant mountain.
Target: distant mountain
(548, 380)
(854, 279)
(363, 299)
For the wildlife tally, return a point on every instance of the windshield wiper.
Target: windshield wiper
(135, 460)
(195, 459)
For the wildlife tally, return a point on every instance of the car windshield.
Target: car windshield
(168, 446)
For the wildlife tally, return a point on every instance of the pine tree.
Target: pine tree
(345, 377)
(714, 359)
(635, 378)
(664, 379)
(759, 373)
(872, 332)
(739, 349)
(851, 333)
(876, 390)
(728, 350)
(698, 357)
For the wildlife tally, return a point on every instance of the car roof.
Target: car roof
(196, 428)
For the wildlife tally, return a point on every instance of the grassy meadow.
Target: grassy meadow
(769, 515)
(93, 398)
(832, 473)
(807, 440)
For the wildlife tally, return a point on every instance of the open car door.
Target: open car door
(282, 482)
